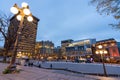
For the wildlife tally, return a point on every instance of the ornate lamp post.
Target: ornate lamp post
(20, 14)
(101, 51)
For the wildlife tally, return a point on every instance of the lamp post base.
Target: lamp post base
(11, 69)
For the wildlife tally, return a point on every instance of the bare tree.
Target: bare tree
(4, 23)
(109, 7)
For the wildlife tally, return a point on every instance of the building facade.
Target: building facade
(80, 49)
(64, 44)
(44, 49)
(118, 44)
(110, 45)
(27, 38)
(1, 51)
(57, 52)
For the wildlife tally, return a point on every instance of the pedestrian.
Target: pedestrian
(30, 63)
(39, 66)
(51, 66)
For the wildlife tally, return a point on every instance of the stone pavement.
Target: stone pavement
(33, 73)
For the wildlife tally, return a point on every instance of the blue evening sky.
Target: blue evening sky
(66, 19)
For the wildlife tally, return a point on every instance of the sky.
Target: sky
(66, 19)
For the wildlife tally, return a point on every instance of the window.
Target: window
(114, 50)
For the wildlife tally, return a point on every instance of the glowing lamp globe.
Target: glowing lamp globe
(14, 10)
(97, 52)
(30, 18)
(19, 17)
(26, 11)
(100, 46)
(24, 4)
(105, 52)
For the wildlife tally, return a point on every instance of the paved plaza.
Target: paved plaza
(33, 73)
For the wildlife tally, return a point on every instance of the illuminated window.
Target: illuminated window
(112, 44)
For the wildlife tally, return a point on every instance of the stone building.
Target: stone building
(27, 38)
(1, 51)
(57, 52)
(44, 49)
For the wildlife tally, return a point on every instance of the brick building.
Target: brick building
(110, 45)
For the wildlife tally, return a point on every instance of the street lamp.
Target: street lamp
(20, 14)
(101, 51)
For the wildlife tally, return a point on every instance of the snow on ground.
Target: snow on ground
(34, 73)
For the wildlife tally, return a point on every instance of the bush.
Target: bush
(6, 71)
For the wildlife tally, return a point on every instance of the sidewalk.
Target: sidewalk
(33, 73)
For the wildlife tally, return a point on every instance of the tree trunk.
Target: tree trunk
(5, 56)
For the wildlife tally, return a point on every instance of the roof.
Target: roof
(83, 40)
(32, 16)
(106, 40)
